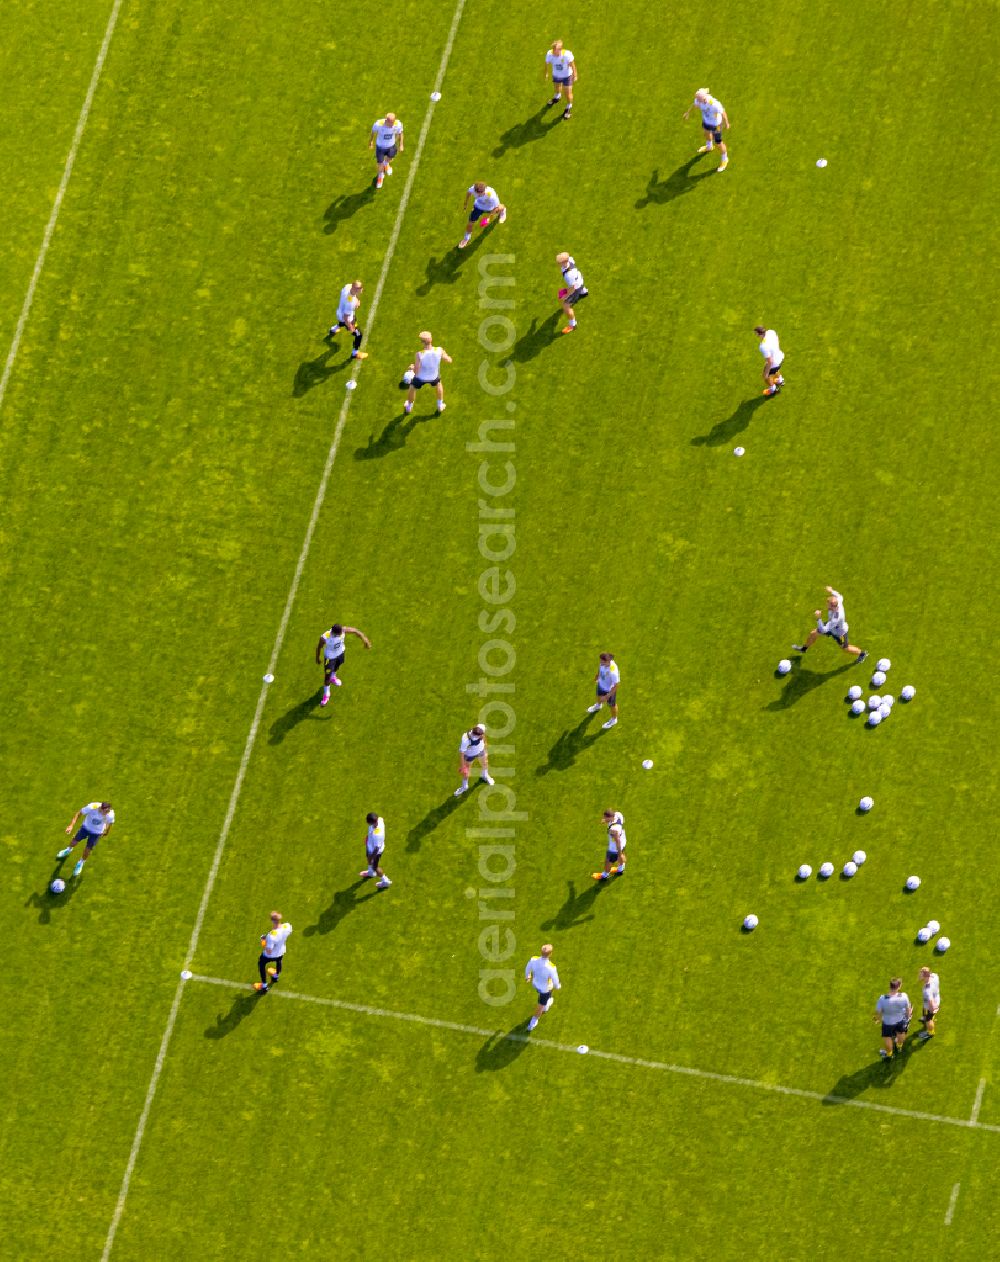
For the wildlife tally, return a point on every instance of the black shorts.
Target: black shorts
(614, 857)
(544, 997)
(714, 131)
(895, 1030)
(610, 697)
(418, 383)
(332, 664)
(374, 858)
(475, 213)
(842, 640)
(929, 1015)
(563, 83)
(576, 296)
(385, 155)
(775, 372)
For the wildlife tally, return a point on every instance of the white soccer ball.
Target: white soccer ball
(866, 804)
(826, 869)
(750, 922)
(874, 718)
(908, 693)
(874, 701)
(784, 666)
(942, 945)
(933, 927)
(924, 935)
(878, 679)
(647, 764)
(913, 883)
(885, 710)
(57, 886)
(859, 857)
(858, 707)
(888, 700)
(739, 451)
(850, 868)
(821, 162)
(884, 664)
(854, 692)
(804, 872)
(408, 376)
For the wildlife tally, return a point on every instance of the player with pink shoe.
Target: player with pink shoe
(330, 652)
(486, 207)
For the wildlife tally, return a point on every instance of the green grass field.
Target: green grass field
(166, 436)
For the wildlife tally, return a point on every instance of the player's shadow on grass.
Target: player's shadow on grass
(48, 903)
(570, 745)
(344, 206)
(447, 269)
(241, 1008)
(393, 437)
(290, 720)
(725, 431)
(313, 372)
(877, 1076)
(679, 182)
(536, 339)
(802, 681)
(577, 909)
(437, 815)
(537, 127)
(344, 902)
(501, 1050)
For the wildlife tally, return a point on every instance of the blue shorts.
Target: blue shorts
(714, 130)
(563, 83)
(373, 856)
(613, 857)
(385, 155)
(418, 383)
(477, 212)
(842, 640)
(90, 838)
(609, 697)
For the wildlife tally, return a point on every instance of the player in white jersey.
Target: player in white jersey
(387, 140)
(573, 290)
(426, 370)
(486, 207)
(894, 1010)
(713, 119)
(774, 357)
(330, 650)
(835, 627)
(614, 859)
(374, 846)
(931, 1002)
(564, 75)
(347, 313)
(272, 953)
(541, 973)
(473, 748)
(98, 820)
(607, 680)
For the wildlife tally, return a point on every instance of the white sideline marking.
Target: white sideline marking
(50, 227)
(950, 1212)
(638, 1061)
(279, 638)
(977, 1104)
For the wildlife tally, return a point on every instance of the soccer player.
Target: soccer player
(573, 291)
(544, 976)
(894, 1011)
(472, 748)
(374, 845)
(931, 1002)
(713, 118)
(387, 140)
(486, 206)
(564, 75)
(347, 310)
(614, 860)
(98, 820)
(272, 953)
(835, 627)
(607, 679)
(426, 369)
(774, 357)
(331, 650)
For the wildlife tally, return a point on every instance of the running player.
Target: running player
(564, 75)
(614, 860)
(486, 207)
(426, 369)
(544, 976)
(835, 627)
(472, 748)
(774, 357)
(347, 311)
(330, 650)
(374, 846)
(272, 953)
(573, 291)
(713, 118)
(98, 820)
(387, 140)
(607, 679)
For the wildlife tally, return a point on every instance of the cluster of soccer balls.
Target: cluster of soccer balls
(928, 931)
(879, 706)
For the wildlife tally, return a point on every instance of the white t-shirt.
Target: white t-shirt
(333, 645)
(573, 276)
(376, 836)
(348, 304)
(472, 746)
(94, 819)
(836, 622)
(608, 675)
(542, 974)
(893, 1007)
(932, 992)
(560, 63)
(385, 136)
(770, 349)
(616, 831)
(430, 363)
(711, 111)
(274, 943)
(486, 200)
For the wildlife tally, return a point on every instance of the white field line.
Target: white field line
(279, 638)
(50, 227)
(950, 1212)
(639, 1062)
(978, 1102)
